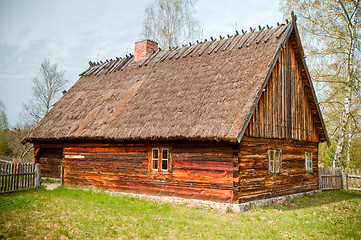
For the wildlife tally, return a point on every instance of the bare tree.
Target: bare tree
(331, 32)
(45, 90)
(19, 148)
(170, 22)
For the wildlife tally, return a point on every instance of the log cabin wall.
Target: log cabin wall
(200, 170)
(255, 180)
(50, 162)
(286, 108)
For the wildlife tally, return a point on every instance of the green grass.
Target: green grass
(84, 214)
(50, 180)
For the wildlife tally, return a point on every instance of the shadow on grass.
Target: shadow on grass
(316, 200)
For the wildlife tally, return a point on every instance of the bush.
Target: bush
(5, 148)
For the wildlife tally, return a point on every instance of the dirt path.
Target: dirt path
(51, 186)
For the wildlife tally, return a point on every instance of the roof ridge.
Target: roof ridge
(220, 45)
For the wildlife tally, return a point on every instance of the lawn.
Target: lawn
(70, 213)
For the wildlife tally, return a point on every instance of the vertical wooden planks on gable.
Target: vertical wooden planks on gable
(288, 96)
(270, 105)
(279, 99)
(284, 109)
(274, 90)
(261, 118)
(293, 95)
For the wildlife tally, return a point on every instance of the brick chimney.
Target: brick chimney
(143, 49)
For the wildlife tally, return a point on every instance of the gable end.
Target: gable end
(287, 105)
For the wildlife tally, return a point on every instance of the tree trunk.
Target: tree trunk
(342, 137)
(345, 128)
(349, 140)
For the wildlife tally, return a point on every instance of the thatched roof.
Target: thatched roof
(203, 91)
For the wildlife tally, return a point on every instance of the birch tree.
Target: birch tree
(331, 36)
(45, 91)
(170, 22)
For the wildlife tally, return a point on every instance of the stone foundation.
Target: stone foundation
(235, 208)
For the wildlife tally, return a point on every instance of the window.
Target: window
(160, 159)
(274, 157)
(165, 159)
(155, 158)
(308, 158)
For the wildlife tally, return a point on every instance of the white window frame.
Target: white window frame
(155, 159)
(308, 161)
(164, 159)
(273, 161)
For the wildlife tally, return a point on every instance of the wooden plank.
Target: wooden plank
(28, 166)
(260, 118)
(13, 175)
(9, 180)
(16, 185)
(279, 97)
(288, 95)
(2, 169)
(5, 178)
(283, 92)
(270, 111)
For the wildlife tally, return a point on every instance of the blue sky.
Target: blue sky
(71, 33)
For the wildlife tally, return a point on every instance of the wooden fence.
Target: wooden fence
(18, 176)
(353, 179)
(338, 178)
(330, 178)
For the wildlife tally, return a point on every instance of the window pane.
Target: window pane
(309, 161)
(155, 157)
(165, 164)
(165, 154)
(155, 164)
(277, 160)
(271, 161)
(155, 154)
(165, 159)
(277, 166)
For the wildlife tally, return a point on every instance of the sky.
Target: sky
(72, 33)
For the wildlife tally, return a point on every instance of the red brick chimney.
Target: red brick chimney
(143, 49)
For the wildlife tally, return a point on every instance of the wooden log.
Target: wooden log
(246, 38)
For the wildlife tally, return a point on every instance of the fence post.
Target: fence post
(62, 174)
(344, 179)
(37, 175)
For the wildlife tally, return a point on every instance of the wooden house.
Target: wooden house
(228, 120)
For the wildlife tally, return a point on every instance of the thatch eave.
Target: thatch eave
(150, 139)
